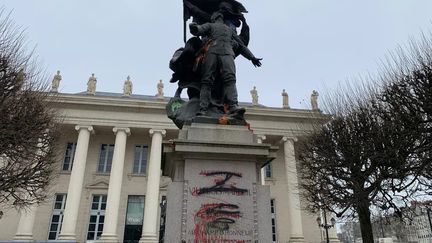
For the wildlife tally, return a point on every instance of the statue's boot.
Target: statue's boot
(237, 110)
(205, 96)
(232, 100)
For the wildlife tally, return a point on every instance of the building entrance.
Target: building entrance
(134, 219)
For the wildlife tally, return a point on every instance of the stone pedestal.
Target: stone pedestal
(216, 194)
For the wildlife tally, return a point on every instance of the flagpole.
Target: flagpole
(184, 23)
(184, 31)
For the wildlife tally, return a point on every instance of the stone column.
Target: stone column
(68, 231)
(260, 139)
(24, 231)
(115, 184)
(295, 219)
(150, 224)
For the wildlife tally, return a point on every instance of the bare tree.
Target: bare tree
(375, 150)
(408, 94)
(28, 128)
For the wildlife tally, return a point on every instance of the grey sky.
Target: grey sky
(306, 44)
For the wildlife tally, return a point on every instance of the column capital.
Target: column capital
(89, 128)
(161, 131)
(124, 129)
(289, 139)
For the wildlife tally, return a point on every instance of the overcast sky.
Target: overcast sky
(306, 44)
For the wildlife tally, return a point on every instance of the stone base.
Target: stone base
(216, 194)
(184, 113)
(297, 240)
(23, 238)
(222, 119)
(149, 239)
(108, 238)
(67, 238)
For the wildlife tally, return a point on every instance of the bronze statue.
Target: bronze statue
(219, 59)
(206, 67)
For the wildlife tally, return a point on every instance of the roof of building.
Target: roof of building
(146, 97)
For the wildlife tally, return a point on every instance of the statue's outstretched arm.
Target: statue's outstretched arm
(199, 30)
(244, 51)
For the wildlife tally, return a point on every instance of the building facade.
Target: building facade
(108, 145)
(419, 229)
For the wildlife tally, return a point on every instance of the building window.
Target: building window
(69, 156)
(105, 158)
(57, 216)
(97, 217)
(273, 219)
(140, 159)
(268, 171)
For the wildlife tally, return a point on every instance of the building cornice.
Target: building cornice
(261, 116)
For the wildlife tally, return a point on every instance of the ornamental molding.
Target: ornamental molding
(99, 184)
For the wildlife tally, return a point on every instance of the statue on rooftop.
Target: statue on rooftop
(206, 67)
(127, 87)
(314, 100)
(56, 82)
(91, 85)
(160, 88)
(254, 94)
(285, 99)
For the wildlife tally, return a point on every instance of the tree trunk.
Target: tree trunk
(365, 222)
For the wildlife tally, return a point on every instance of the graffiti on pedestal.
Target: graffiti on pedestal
(215, 221)
(222, 183)
(214, 218)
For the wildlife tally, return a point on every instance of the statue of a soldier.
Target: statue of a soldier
(219, 62)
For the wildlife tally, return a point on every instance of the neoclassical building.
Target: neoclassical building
(110, 186)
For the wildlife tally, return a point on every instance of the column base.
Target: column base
(108, 238)
(23, 238)
(296, 239)
(149, 238)
(67, 238)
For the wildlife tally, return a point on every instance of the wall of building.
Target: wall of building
(105, 113)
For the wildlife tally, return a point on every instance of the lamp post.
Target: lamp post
(325, 225)
(429, 217)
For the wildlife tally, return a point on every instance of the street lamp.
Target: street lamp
(428, 210)
(325, 225)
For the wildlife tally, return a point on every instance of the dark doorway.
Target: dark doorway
(134, 219)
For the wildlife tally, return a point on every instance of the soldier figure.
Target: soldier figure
(219, 60)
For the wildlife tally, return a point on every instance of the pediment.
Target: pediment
(99, 184)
